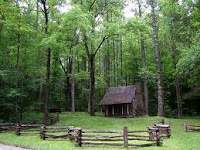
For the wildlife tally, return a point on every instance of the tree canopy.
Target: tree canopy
(65, 54)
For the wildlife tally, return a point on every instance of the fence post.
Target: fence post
(125, 137)
(151, 134)
(78, 137)
(42, 132)
(169, 132)
(186, 126)
(17, 129)
(69, 134)
(158, 138)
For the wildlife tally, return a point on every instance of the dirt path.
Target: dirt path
(8, 147)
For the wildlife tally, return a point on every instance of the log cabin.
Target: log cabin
(124, 101)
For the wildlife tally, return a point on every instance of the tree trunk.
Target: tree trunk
(177, 82)
(121, 55)
(46, 111)
(72, 82)
(108, 64)
(17, 78)
(158, 59)
(143, 51)
(114, 68)
(91, 57)
(92, 85)
(37, 15)
(84, 81)
(41, 77)
(47, 100)
(178, 96)
(17, 70)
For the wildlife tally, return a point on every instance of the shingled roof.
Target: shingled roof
(119, 95)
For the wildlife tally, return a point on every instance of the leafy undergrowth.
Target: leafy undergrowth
(179, 140)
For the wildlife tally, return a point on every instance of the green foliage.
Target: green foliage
(118, 61)
(189, 60)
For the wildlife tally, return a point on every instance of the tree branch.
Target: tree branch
(104, 38)
(92, 5)
(62, 66)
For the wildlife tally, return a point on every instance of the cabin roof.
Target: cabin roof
(119, 95)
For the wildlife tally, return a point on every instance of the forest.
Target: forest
(65, 54)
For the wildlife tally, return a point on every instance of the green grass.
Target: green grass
(179, 140)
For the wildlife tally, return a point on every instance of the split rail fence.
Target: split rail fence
(81, 137)
(125, 138)
(55, 132)
(7, 127)
(164, 129)
(28, 128)
(191, 127)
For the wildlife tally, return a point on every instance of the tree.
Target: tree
(143, 51)
(96, 9)
(158, 58)
(47, 99)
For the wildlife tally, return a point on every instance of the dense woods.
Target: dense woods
(65, 54)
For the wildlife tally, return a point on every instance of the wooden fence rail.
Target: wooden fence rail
(116, 138)
(164, 129)
(27, 129)
(55, 132)
(7, 127)
(126, 138)
(123, 138)
(191, 127)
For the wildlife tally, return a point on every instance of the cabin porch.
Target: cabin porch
(119, 110)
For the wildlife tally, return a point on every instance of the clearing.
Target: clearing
(180, 140)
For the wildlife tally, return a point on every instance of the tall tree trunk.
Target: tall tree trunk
(17, 69)
(67, 105)
(108, 64)
(146, 91)
(89, 108)
(158, 59)
(174, 57)
(117, 61)
(72, 82)
(114, 69)
(177, 82)
(143, 51)
(121, 55)
(41, 77)
(37, 15)
(92, 85)
(85, 82)
(47, 100)
(17, 78)
(91, 57)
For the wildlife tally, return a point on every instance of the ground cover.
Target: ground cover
(179, 140)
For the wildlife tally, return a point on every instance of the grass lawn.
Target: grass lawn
(179, 140)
